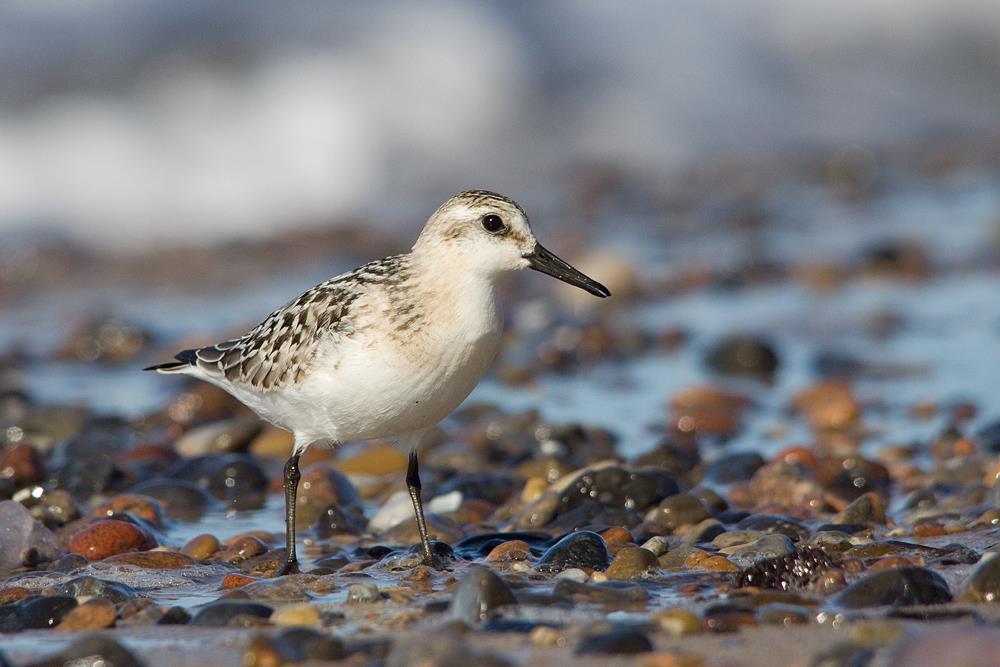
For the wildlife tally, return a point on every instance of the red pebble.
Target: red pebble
(107, 538)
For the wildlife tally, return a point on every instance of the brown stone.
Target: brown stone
(617, 535)
(13, 594)
(702, 560)
(240, 550)
(95, 614)
(201, 546)
(631, 562)
(23, 464)
(829, 405)
(375, 459)
(707, 410)
(107, 538)
(139, 506)
(509, 551)
(234, 580)
(153, 560)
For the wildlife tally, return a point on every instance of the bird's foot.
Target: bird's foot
(290, 567)
(437, 555)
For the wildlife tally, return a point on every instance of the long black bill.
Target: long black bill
(542, 260)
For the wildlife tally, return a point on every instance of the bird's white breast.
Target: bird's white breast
(387, 379)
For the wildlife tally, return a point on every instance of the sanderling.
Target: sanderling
(388, 349)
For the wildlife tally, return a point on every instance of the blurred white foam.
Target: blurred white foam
(180, 120)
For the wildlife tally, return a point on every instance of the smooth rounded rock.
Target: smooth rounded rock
(768, 546)
(91, 615)
(743, 356)
(899, 586)
(180, 498)
(92, 587)
(301, 614)
(220, 614)
(363, 592)
(107, 538)
(84, 650)
(153, 560)
(201, 546)
(478, 595)
(774, 524)
(983, 583)
(738, 467)
(21, 533)
(677, 511)
(38, 613)
(582, 549)
(631, 562)
(615, 642)
(142, 507)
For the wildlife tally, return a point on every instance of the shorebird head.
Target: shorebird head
(493, 234)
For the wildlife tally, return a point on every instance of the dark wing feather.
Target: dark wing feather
(277, 351)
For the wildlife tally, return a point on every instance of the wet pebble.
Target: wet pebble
(582, 549)
(94, 650)
(728, 617)
(774, 524)
(201, 546)
(363, 592)
(180, 498)
(221, 437)
(829, 405)
(20, 534)
(39, 613)
(783, 614)
(91, 615)
(678, 622)
(92, 587)
(441, 650)
(983, 583)
(226, 612)
(22, 464)
(299, 644)
(631, 562)
(615, 642)
(677, 511)
(608, 592)
(107, 538)
(965, 646)
(140, 507)
(478, 595)
(242, 548)
(769, 546)
(897, 587)
(731, 468)
(333, 520)
(743, 356)
(868, 508)
(153, 560)
(708, 411)
(302, 614)
(239, 481)
(792, 571)
(512, 550)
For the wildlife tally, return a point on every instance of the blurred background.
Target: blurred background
(172, 170)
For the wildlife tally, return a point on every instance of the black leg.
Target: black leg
(291, 565)
(413, 485)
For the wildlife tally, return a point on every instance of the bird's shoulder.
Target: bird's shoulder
(278, 351)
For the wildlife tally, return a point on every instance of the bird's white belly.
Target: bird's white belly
(373, 388)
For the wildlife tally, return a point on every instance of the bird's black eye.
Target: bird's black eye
(493, 224)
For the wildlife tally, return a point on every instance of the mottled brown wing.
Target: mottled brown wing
(277, 351)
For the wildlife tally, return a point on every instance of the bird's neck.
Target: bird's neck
(454, 286)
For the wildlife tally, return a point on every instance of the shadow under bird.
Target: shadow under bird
(388, 349)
